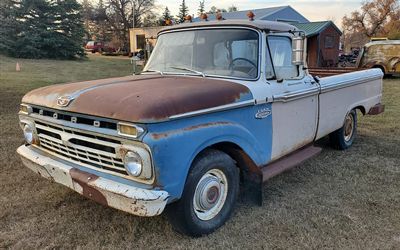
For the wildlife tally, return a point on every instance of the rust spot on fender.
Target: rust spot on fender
(142, 98)
(158, 136)
(83, 179)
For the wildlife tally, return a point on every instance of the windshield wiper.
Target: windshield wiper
(153, 70)
(189, 70)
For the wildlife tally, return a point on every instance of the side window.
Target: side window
(281, 53)
(269, 70)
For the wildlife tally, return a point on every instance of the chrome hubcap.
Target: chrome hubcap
(348, 127)
(210, 194)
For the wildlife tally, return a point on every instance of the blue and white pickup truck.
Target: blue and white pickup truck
(219, 105)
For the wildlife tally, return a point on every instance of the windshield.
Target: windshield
(216, 52)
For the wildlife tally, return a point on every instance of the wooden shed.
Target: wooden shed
(323, 41)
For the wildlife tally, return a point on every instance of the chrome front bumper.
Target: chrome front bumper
(134, 200)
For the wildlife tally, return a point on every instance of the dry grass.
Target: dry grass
(338, 199)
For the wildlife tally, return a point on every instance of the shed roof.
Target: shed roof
(314, 28)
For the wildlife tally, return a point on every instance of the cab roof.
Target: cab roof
(257, 24)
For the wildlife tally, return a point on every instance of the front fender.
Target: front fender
(175, 144)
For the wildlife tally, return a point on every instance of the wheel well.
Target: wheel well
(243, 161)
(362, 109)
(379, 67)
(250, 173)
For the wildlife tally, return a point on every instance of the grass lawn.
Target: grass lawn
(339, 199)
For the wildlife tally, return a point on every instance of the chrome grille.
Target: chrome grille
(74, 118)
(81, 147)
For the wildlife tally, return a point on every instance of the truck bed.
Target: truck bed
(343, 92)
(324, 72)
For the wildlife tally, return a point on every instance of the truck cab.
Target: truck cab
(219, 104)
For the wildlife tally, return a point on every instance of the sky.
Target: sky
(313, 10)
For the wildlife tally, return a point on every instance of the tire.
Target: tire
(214, 175)
(343, 138)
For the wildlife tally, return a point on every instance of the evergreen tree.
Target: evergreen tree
(8, 25)
(183, 12)
(213, 10)
(201, 8)
(165, 16)
(44, 29)
(102, 30)
(88, 18)
(233, 8)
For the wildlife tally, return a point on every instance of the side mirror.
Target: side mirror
(298, 50)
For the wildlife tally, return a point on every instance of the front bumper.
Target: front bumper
(124, 197)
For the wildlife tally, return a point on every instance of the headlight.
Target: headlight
(133, 163)
(29, 134)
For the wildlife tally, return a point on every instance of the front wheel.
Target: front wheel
(209, 197)
(343, 138)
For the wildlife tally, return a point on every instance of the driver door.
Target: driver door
(295, 100)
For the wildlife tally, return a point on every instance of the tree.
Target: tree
(166, 15)
(372, 18)
(214, 10)
(392, 28)
(183, 12)
(8, 25)
(233, 8)
(43, 29)
(88, 18)
(120, 17)
(376, 18)
(151, 19)
(201, 8)
(102, 30)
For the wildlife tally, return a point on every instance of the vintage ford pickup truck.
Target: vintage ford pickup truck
(220, 105)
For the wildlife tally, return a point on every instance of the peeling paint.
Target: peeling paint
(157, 136)
(128, 198)
(142, 99)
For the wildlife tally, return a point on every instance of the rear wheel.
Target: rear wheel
(209, 197)
(343, 138)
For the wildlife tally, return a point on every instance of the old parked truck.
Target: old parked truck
(219, 105)
(384, 55)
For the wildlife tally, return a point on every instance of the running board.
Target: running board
(292, 160)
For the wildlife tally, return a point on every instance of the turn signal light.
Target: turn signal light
(130, 130)
(25, 109)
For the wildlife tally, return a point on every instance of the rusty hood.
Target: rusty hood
(142, 99)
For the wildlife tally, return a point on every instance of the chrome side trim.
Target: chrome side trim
(295, 95)
(348, 83)
(214, 109)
